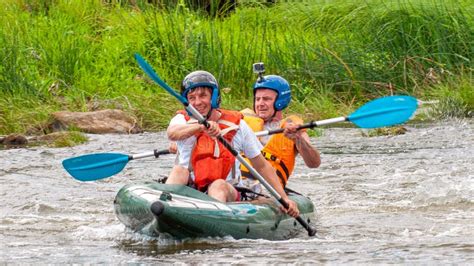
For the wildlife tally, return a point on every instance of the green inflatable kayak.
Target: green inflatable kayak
(154, 208)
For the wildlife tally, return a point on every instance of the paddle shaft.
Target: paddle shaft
(307, 125)
(155, 153)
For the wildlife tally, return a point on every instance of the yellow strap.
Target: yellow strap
(271, 157)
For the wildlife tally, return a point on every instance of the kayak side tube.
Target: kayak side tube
(183, 212)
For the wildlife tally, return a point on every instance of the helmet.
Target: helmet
(201, 78)
(278, 84)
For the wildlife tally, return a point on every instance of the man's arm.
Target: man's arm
(303, 145)
(179, 129)
(310, 155)
(180, 132)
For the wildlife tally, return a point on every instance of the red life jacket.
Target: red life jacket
(210, 160)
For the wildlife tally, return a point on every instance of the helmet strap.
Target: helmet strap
(213, 116)
(277, 116)
(209, 114)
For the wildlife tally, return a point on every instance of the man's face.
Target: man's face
(200, 98)
(264, 100)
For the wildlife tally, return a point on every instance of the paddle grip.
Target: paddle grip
(205, 123)
(157, 153)
(311, 230)
(280, 130)
(308, 125)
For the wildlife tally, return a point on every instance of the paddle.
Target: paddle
(381, 112)
(92, 167)
(151, 73)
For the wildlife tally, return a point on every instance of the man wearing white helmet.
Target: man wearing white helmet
(272, 94)
(213, 167)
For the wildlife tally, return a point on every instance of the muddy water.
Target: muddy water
(399, 199)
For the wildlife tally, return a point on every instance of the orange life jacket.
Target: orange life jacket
(280, 151)
(210, 160)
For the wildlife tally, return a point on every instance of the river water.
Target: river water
(388, 199)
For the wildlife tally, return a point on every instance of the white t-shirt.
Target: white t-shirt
(244, 141)
(269, 126)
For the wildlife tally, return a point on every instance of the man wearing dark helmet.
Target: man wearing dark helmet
(204, 160)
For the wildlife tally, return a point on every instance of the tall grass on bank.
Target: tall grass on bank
(78, 55)
(456, 99)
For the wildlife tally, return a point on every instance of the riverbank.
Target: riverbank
(78, 56)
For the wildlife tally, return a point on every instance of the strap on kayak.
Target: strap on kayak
(248, 194)
(289, 190)
(161, 180)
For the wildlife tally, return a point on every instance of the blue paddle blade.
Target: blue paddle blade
(385, 111)
(152, 74)
(95, 166)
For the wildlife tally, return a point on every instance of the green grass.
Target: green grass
(72, 138)
(78, 55)
(454, 99)
(385, 131)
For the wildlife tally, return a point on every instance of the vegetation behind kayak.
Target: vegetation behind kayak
(78, 55)
(153, 208)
